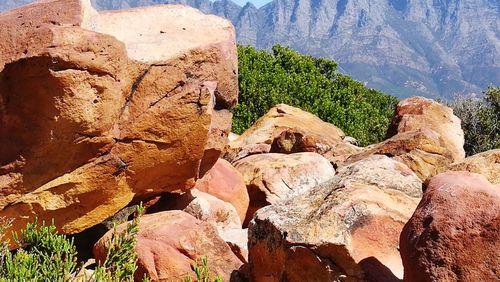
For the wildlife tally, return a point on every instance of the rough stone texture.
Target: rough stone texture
(237, 239)
(285, 129)
(169, 242)
(273, 177)
(420, 150)
(454, 235)
(485, 163)
(226, 183)
(95, 112)
(345, 229)
(202, 206)
(416, 113)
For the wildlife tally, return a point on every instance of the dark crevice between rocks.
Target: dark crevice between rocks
(133, 89)
(178, 86)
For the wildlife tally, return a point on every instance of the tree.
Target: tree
(312, 84)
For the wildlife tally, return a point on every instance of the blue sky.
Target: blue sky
(257, 3)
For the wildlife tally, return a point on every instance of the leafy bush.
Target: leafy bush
(202, 272)
(52, 257)
(312, 84)
(480, 120)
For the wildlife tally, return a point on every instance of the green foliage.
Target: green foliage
(312, 84)
(202, 271)
(48, 257)
(120, 263)
(52, 257)
(480, 120)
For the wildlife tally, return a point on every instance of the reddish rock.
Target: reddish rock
(168, 244)
(485, 163)
(273, 177)
(416, 113)
(454, 234)
(108, 112)
(285, 129)
(226, 183)
(345, 229)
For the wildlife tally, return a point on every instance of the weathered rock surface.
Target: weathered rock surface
(420, 150)
(226, 183)
(454, 234)
(485, 163)
(285, 129)
(347, 228)
(169, 242)
(273, 177)
(415, 113)
(95, 112)
(202, 206)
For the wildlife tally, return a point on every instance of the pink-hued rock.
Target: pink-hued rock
(416, 113)
(344, 229)
(96, 112)
(454, 234)
(226, 183)
(485, 163)
(168, 244)
(285, 129)
(273, 177)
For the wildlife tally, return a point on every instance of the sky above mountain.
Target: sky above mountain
(257, 3)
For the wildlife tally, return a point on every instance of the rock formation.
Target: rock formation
(454, 233)
(424, 135)
(346, 228)
(270, 178)
(286, 129)
(96, 112)
(169, 242)
(485, 163)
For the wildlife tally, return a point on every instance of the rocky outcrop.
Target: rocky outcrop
(273, 177)
(485, 163)
(454, 234)
(346, 228)
(226, 183)
(108, 112)
(285, 129)
(415, 113)
(424, 135)
(168, 243)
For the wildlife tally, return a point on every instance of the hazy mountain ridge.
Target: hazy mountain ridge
(434, 47)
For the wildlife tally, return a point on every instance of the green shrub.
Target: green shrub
(52, 257)
(480, 120)
(312, 84)
(202, 271)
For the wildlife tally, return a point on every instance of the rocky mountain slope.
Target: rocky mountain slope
(431, 48)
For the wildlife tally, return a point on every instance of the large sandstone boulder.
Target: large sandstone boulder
(485, 163)
(416, 113)
(423, 134)
(346, 229)
(454, 235)
(96, 111)
(273, 177)
(169, 243)
(285, 129)
(226, 183)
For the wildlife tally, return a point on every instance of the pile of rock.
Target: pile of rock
(97, 115)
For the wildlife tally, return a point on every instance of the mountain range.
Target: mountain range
(432, 48)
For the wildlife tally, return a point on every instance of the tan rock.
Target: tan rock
(454, 234)
(108, 112)
(344, 229)
(168, 244)
(416, 113)
(485, 163)
(419, 150)
(226, 183)
(285, 129)
(273, 177)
